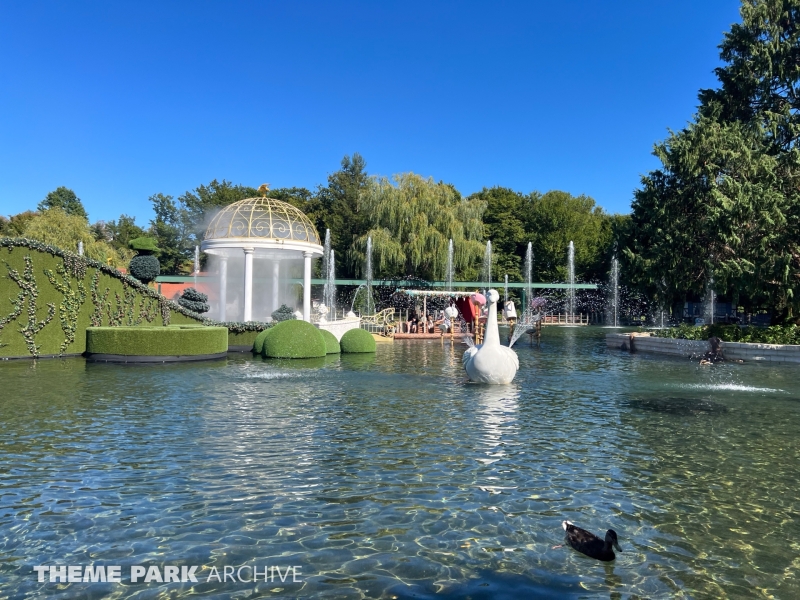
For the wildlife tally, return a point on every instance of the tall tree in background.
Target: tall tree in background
(339, 211)
(198, 206)
(411, 220)
(725, 203)
(504, 226)
(554, 219)
(65, 199)
(171, 230)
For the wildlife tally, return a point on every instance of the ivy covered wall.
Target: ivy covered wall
(48, 297)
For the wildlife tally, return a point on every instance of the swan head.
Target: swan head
(492, 297)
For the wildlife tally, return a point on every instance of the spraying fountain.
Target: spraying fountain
(486, 270)
(369, 307)
(614, 289)
(529, 274)
(330, 284)
(571, 279)
(449, 274)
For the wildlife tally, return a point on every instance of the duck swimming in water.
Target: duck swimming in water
(589, 544)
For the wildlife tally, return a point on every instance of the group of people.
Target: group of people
(427, 323)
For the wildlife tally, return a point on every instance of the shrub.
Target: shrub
(284, 313)
(777, 334)
(258, 344)
(145, 267)
(194, 301)
(357, 340)
(143, 245)
(331, 343)
(176, 340)
(294, 339)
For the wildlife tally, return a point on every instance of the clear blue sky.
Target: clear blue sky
(119, 101)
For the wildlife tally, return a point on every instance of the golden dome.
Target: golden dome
(262, 219)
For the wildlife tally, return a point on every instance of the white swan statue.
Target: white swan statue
(490, 362)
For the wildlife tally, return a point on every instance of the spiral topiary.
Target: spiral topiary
(294, 339)
(357, 340)
(331, 343)
(144, 267)
(284, 313)
(194, 301)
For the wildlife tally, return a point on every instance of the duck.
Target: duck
(490, 362)
(589, 544)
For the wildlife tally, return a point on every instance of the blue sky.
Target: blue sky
(119, 101)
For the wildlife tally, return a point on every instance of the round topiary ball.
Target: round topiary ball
(258, 344)
(144, 267)
(294, 339)
(331, 343)
(194, 301)
(358, 340)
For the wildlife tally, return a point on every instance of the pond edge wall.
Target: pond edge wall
(773, 353)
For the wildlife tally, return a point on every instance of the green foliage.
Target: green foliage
(357, 340)
(37, 281)
(242, 339)
(331, 343)
(175, 340)
(294, 339)
(65, 199)
(15, 225)
(777, 334)
(194, 301)
(411, 220)
(144, 267)
(57, 228)
(143, 245)
(122, 231)
(284, 313)
(338, 206)
(258, 343)
(726, 202)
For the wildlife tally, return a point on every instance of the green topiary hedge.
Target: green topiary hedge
(144, 267)
(357, 340)
(195, 301)
(331, 343)
(175, 340)
(258, 343)
(294, 339)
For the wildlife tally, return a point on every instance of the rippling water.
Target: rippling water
(390, 476)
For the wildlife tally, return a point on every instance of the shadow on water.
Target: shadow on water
(676, 406)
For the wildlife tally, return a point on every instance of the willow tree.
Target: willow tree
(411, 220)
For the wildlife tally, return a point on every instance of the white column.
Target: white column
(223, 287)
(276, 275)
(307, 286)
(248, 284)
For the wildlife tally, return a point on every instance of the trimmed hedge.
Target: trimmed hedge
(294, 339)
(175, 340)
(331, 343)
(244, 338)
(195, 301)
(145, 267)
(258, 343)
(358, 340)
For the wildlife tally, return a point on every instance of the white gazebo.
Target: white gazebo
(261, 228)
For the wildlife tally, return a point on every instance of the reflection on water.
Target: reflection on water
(390, 475)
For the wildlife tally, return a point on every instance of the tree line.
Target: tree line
(410, 219)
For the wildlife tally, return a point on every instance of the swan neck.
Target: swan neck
(492, 335)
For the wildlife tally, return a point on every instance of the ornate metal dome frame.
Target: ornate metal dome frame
(264, 224)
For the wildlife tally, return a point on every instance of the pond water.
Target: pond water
(390, 476)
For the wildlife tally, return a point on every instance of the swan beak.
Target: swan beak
(616, 545)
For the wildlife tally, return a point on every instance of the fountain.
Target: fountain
(449, 274)
(486, 270)
(571, 279)
(80, 248)
(326, 257)
(505, 290)
(529, 273)
(710, 301)
(196, 264)
(369, 307)
(329, 292)
(614, 290)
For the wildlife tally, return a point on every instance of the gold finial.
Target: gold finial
(264, 189)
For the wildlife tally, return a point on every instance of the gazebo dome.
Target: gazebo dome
(264, 224)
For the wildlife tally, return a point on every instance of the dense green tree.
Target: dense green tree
(725, 203)
(171, 230)
(198, 206)
(554, 219)
(338, 210)
(504, 226)
(123, 230)
(411, 220)
(65, 199)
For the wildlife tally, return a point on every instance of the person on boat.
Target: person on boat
(411, 324)
(429, 326)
